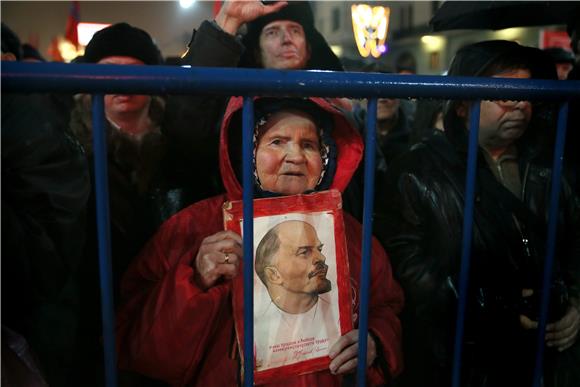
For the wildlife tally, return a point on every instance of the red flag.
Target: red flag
(217, 4)
(72, 22)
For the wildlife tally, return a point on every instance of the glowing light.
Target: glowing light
(370, 26)
(68, 51)
(86, 31)
(186, 3)
(509, 33)
(433, 43)
(336, 49)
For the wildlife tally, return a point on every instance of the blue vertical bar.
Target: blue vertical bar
(551, 239)
(248, 178)
(104, 239)
(369, 192)
(466, 240)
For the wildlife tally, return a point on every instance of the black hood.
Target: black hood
(322, 57)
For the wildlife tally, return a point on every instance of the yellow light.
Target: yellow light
(370, 26)
(432, 43)
(509, 33)
(68, 51)
(336, 49)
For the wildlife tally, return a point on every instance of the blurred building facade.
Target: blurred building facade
(409, 32)
(40, 22)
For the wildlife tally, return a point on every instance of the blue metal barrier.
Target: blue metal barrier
(365, 271)
(104, 238)
(57, 77)
(551, 240)
(100, 79)
(248, 196)
(466, 242)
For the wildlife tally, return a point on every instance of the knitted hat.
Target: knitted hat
(321, 57)
(122, 39)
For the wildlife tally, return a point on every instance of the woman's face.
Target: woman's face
(288, 159)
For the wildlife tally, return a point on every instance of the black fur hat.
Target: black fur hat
(321, 57)
(122, 39)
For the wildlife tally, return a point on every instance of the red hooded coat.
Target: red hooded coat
(170, 329)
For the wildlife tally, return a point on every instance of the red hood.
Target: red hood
(349, 146)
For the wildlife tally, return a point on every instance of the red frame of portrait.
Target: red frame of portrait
(324, 201)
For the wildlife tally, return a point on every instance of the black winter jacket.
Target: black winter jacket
(420, 219)
(149, 180)
(45, 189)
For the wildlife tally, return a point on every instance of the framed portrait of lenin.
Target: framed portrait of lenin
(302, 300)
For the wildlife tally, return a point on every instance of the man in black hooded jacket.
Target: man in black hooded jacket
(294, 44)
(420, 224)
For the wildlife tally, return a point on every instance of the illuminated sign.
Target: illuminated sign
(87, 30)
(370, 26)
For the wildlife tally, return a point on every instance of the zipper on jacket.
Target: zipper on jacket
(524, 182)
(525, 240)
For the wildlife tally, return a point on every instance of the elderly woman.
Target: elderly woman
(176, 323)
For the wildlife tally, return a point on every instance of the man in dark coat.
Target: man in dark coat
(393, 123)
(392, 138)
(45, 188)
(150, 176)
(420, 225)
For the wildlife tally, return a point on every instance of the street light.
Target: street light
(186, 3)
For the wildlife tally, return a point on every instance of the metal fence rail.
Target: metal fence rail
(99, 80)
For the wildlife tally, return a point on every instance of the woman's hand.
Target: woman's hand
(218, 256)
(233, 14)
(345, 351)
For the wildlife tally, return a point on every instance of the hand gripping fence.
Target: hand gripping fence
(99, 80)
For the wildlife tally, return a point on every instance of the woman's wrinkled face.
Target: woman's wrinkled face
(288, 159)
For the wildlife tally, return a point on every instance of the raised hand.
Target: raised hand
(237, 12)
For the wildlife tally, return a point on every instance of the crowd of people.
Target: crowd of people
(173, 161)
